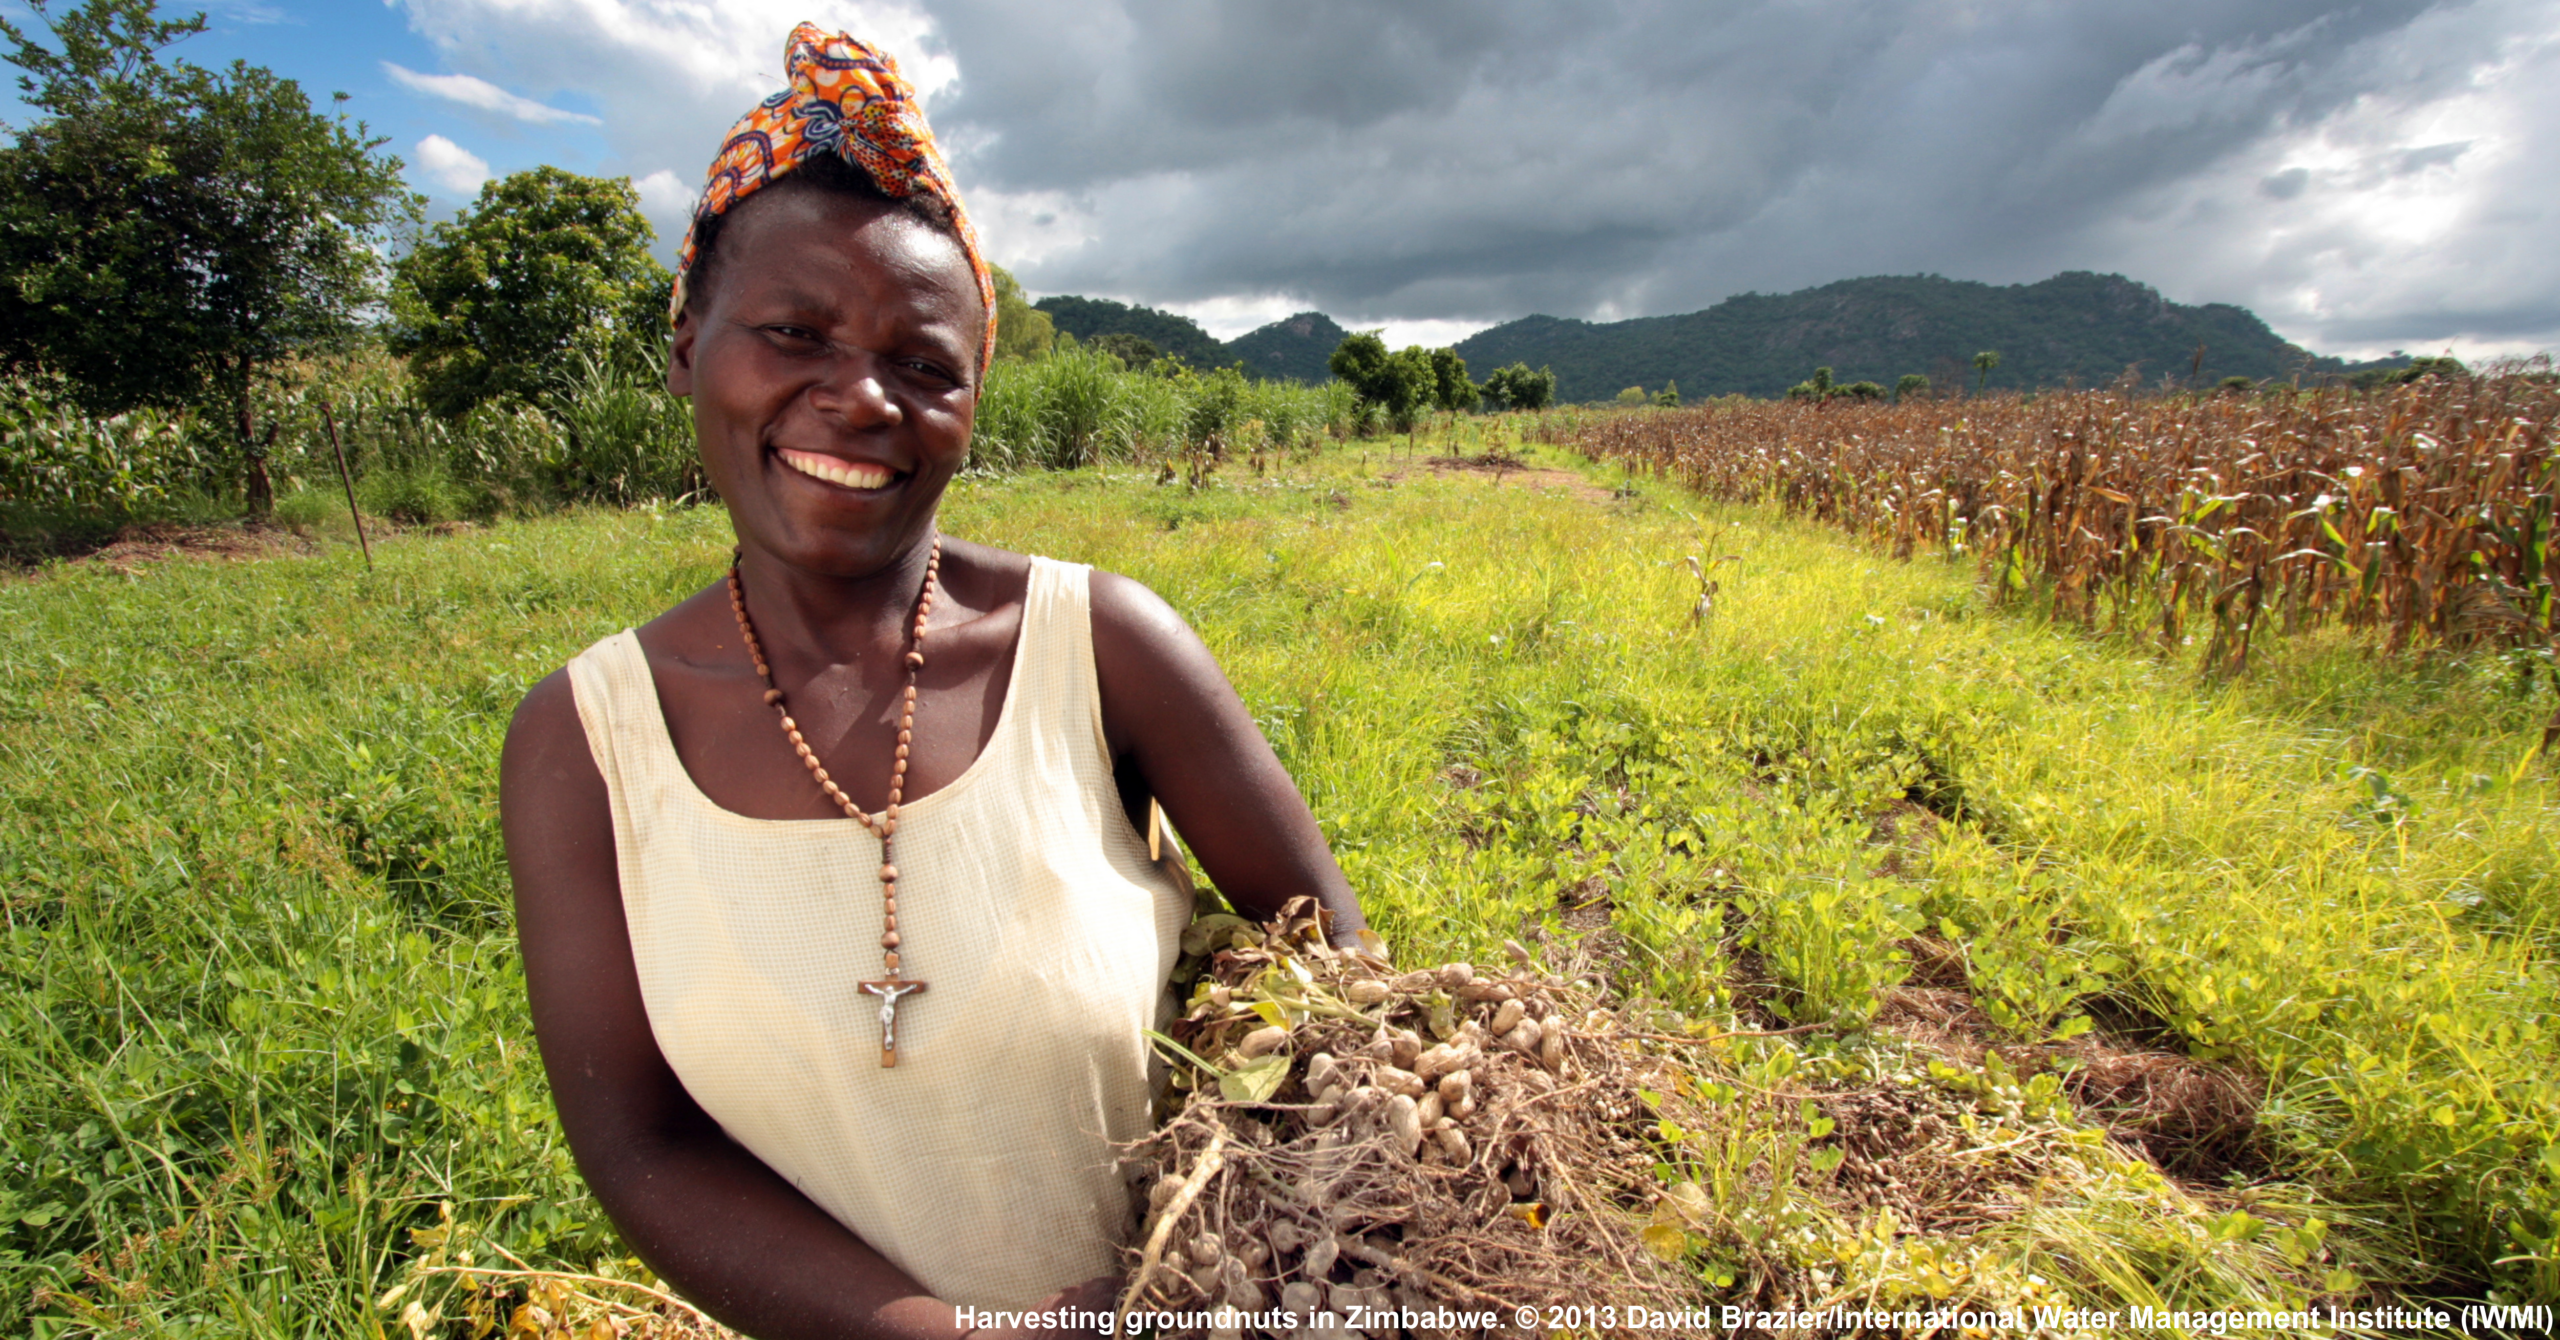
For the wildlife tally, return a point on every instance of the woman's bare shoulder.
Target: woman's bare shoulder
(1134, 620)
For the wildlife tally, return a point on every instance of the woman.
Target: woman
(839, 927)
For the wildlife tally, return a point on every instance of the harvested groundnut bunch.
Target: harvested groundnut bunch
(1353, 1141)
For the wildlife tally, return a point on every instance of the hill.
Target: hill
(1295, 348)
(1292, 349)
(2076, 327)
(1180, 336)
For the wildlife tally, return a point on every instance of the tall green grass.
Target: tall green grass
(1079, 406)
(260, 1015)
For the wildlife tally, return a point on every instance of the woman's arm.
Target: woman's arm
(708, 1216)
(1167, 705)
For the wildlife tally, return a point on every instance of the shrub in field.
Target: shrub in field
(625, 440)
(1080, 406)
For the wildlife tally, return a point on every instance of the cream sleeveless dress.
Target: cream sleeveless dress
(982, 1164)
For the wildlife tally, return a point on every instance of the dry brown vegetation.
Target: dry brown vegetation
(2423, 514)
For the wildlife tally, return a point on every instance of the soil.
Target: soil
(1497, 470)
(128, 548)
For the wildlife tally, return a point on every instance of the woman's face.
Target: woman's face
(833, 372)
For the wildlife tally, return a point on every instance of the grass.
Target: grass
(262, 1029)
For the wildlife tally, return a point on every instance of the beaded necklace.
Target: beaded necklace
(892, 987)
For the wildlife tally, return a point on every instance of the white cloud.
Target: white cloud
(2415, 215)
(480, 93)
(667, 200)
(669, 76)
(447, 164)
(247, 12)
(1434, 334)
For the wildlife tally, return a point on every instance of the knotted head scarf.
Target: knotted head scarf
(846, 98)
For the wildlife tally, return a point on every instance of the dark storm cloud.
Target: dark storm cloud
(1485, 160)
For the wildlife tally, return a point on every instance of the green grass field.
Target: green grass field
(260, 1017)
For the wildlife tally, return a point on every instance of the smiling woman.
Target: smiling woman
(841, 937)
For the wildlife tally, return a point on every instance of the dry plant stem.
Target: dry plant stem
(1214, 1159)
(1706, 1038)
(349, 480)
(663, 1297)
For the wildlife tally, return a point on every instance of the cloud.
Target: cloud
(667, 200)
(450, 166)
(480, 93)
(2357, 172)
(248, 13)
(668, 77)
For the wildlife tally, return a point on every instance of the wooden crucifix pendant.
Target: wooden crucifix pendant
(890, 991)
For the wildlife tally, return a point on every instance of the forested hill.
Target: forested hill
(1294, 348)
(2075, 327)
(1090, 318)
(2080, 327)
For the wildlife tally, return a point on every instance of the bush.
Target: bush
(1080, 406)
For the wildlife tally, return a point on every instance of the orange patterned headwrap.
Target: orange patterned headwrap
(848, 99)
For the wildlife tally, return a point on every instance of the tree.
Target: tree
(167, 232)
(1633, 395)
(1983, 363)
(1450, 389)
(1516, 387)
(1398, 383)
(1022, 330)
(1410, 387)
(1132, 351)
(1668, 396)
(1816, 388)
(543, 267)
(1912, 386)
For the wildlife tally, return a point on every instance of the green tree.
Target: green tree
(1983, 363)
(1912, 386)
(545, 266)
(1516, 387)
(1450, 388)
(1816, 388)
(1409, 387)
(1132, 351)
(1669, 395)
(1022, 330)
(1633, 395)
(169, 233)
(1399, 383)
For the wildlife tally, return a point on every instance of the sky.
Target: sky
(2367, 177)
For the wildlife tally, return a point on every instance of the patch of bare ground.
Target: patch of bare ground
(1586, 947)
(1499, 470)
(2196, 1120)
(130, 548)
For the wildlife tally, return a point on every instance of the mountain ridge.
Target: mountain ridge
(2076, 328)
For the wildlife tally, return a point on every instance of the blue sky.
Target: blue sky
(2367, 176)
(351, 46)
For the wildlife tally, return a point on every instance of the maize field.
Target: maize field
(2423, 515)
